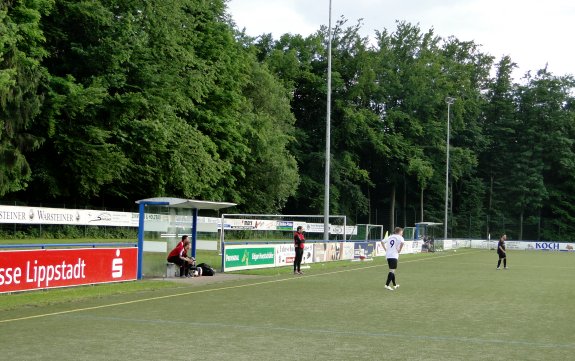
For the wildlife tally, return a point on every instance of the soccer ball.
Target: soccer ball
(454, 250)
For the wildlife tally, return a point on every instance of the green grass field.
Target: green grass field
(450, 306)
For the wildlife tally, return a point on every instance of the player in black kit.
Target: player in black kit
(501, 252)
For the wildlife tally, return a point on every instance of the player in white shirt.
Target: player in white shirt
(392, 246)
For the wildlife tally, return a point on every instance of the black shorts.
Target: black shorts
(392, 263)
(501, 255)
(177, 260)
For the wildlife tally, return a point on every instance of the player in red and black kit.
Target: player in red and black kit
(179, 256)
(299, 244)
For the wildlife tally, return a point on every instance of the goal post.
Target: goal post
(263, 232)
(369, 232)
(279, 227)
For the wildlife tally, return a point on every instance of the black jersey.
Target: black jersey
(501, 246)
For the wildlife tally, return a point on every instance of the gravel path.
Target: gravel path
(205, 280)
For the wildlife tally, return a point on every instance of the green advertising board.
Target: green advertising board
(245, 257)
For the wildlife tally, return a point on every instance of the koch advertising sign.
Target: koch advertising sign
(40, 269)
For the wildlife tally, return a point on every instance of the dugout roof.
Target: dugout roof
(186, 203)
(428, 224)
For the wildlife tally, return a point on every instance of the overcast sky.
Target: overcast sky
(531, 32)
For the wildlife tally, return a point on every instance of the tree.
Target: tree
(423, 172)
(499, 118)
(21, 75)
(271, 173)
(155, 99)
(547, 154)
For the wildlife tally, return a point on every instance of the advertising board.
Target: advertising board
(24, 270)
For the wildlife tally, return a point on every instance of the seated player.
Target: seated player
(179, 256)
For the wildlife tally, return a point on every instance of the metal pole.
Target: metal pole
(327, 136)
(222, 242)
(141, 214)
(449, 101)
(194, 231)
(141, 219)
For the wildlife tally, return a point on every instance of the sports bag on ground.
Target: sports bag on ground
(207, 270)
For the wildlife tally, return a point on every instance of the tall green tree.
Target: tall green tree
(271, 172)
(499, 118)
(21, 76)
(424, 172)
(302, 65)
(410, 85)
(467, 76)
(526, 173)
(416, 72)
(546, 151)
(159, 98)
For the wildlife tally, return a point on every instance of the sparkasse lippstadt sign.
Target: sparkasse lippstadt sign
(49, 268)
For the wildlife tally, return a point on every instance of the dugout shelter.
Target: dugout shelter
(192, 205)
(426, 229)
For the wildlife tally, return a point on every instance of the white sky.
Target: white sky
(531, 32)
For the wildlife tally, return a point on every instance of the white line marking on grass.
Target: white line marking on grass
(212, 290)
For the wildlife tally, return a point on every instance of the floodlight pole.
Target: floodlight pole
(327, 136)
(449, 101)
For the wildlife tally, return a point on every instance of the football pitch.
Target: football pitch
(450, 306)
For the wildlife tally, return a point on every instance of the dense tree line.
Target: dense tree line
(143, 99)
(109, 101)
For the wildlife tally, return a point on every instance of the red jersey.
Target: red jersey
(177, 251)
(298, 240)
